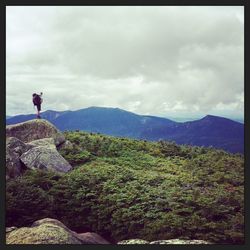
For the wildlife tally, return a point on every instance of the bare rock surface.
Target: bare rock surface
(46, 142)
(45, 158)
(132, 241)
(14, 149)
(33, 144)
(179, 242)
(170, 242)
(16, 145)
(33, 130)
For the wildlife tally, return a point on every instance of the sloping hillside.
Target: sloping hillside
(127, 189)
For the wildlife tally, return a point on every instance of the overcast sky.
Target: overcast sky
(166, 61)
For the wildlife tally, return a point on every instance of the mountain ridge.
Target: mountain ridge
(211, 130)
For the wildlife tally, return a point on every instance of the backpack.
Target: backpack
(37, 100)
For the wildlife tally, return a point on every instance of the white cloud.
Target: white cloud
(149, 60)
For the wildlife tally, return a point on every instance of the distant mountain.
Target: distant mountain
(211, 130)
(110, 121)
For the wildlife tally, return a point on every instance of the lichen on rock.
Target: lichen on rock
(133, 241)
(51, 231)
(47, 142)
(179, 242)
(170, 242)
(45, 233)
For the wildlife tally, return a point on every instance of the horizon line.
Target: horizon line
(160, 116)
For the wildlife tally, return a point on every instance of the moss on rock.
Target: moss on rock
(46, 233)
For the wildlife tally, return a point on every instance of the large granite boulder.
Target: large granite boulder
(16, 145)
(13, 165)
(87, 238)
(46, 158)
(35, 129)
(46, 233)
(14, 149)
(49, 220)
(33, 144)
(50, 231)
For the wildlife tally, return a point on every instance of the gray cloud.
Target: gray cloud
(150, 60)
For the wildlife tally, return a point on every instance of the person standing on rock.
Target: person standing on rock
(37, 101)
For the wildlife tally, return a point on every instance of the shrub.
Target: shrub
(126, 188)
(26, 203)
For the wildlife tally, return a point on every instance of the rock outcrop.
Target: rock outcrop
(9, 229)
(133, 241)
(50, 231)
(170, 242)
(46, 233)
(33, 130)
(45, 158)
(92, 238)
(17, 146)
(180, 242)
(33, 144)
(46, 142)
(14, 149)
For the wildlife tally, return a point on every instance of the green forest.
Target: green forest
(125, 189)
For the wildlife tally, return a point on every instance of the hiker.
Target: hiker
(37, 101)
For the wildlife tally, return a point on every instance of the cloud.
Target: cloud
(149, 60)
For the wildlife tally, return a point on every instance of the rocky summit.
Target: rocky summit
(33, 145)
(33, 130)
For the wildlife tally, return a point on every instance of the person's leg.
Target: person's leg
(38, 111)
